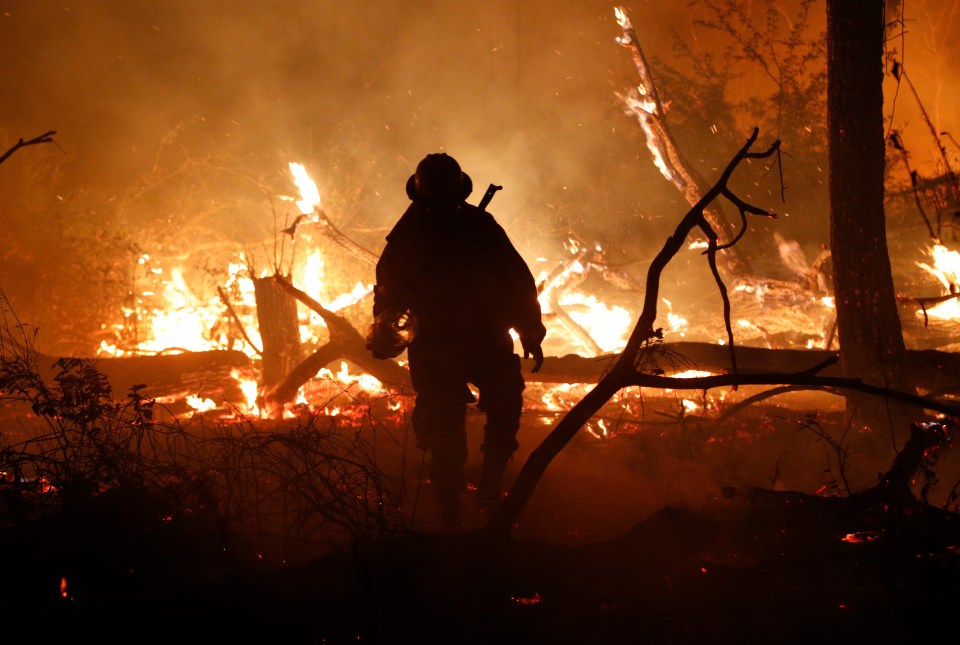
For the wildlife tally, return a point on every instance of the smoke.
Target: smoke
(521, 92)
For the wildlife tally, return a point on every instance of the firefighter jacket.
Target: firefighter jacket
(455, 268)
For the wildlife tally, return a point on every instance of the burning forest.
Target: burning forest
(742, 222)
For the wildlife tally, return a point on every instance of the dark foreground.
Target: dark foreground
(750, 566)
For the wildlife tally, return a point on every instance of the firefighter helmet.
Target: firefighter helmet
(391, 332)
(439, 179)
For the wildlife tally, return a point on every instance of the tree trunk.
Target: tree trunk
(279, 331)
(871, 338)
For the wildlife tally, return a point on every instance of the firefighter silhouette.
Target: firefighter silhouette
(449, 288)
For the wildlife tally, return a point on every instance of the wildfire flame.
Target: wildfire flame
(946, 269)
(309, 193)
(609, 326)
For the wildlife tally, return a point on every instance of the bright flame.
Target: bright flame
(250, 391)
(201, 405)
(608, 326)
(946, 269)
(183, 323)
(622, 19)
(675, 322)
(359, 292)
(691, 374)
(366, 382)
(309, 193)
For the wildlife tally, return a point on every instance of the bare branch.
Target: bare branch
(46, 137)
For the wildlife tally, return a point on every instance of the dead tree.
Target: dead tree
(625, 371)
(644, 103)
(344, 343)
(279, 330)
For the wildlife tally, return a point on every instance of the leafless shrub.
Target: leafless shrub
(245, 490)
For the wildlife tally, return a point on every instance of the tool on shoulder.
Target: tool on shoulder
(487, 196)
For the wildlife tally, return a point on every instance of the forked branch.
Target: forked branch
(625, 371)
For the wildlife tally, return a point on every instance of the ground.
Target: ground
(678, 532)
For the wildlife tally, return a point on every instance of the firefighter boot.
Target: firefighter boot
(448, 483)
(489, 493)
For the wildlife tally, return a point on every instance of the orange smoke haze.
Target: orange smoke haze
(521, 92)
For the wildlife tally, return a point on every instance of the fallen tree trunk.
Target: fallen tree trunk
(167, 376)
(211, 374)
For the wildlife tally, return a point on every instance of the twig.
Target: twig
(897, 142)
(46, 137)
(236, 319)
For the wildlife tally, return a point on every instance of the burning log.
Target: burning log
(564, 277)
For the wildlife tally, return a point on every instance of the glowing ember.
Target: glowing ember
(563, 396)
(860, 537)
(946, 269)
(691, 374)
(527, 600)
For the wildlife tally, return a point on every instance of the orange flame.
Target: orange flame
(309, 193)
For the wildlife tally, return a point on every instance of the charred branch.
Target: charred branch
(236, 319)
(46, 137)
(334, 234)
(624, 371)
(897, 142)
(923, 303)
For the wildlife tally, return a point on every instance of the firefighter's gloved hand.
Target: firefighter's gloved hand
(537, 354)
